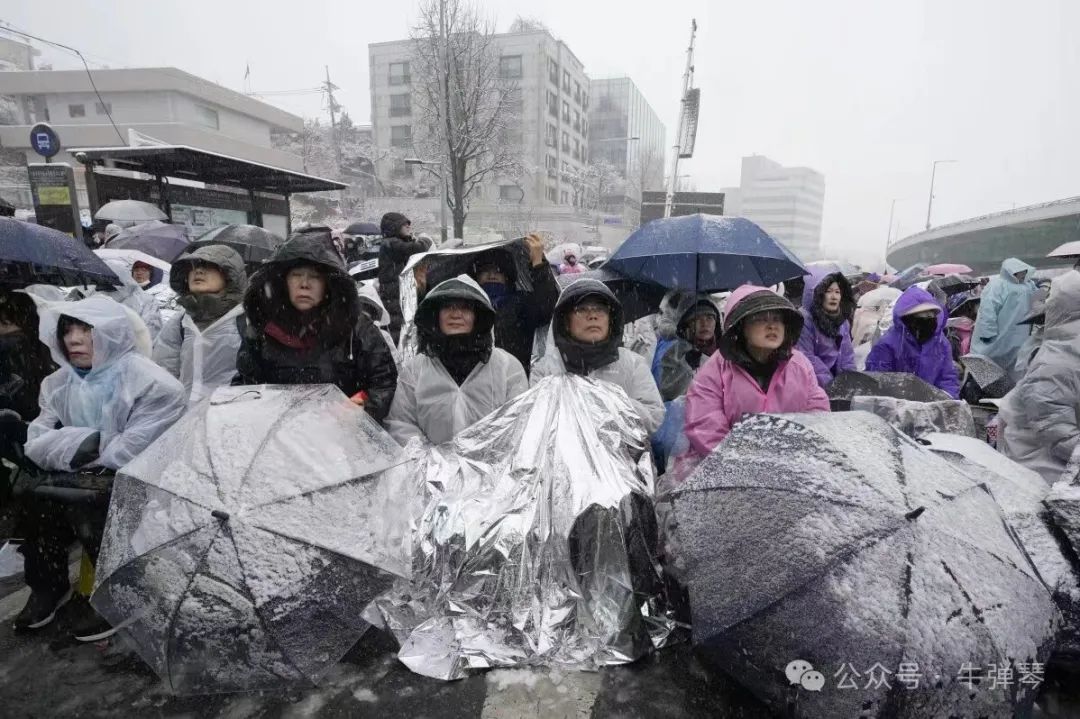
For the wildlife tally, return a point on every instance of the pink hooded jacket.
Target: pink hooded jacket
(722, 391)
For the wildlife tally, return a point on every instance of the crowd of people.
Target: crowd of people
(81, 397)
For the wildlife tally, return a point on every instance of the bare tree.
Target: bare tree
(467, 109)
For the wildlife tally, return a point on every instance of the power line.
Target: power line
(89, 75)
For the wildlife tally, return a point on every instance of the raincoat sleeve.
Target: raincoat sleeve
(707, 422)
(675, 372)
(401, 249)
(150, 315)
(517, 383)
(816, 400)
(948, 379)
(377, 366)
(168, 343)
(645, 395)
(806, 346)
(881, 357)
(541, 304)
(846, 362)
(154, 410)
(48, 445)
(986, 324)
(402, 422)
(1050, 397)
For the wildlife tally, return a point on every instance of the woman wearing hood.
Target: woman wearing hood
(1040, 417)
(459, 376)
(916, 343)
(199, 344)
(1006, 300)
(305, 326)
(828, 304)
(103, 407)
(587, 327)
(963, 308)
(755, 369)
(687, 330)
(131, 295)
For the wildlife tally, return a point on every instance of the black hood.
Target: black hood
(392, 222)
(267, 297)
(578, 357)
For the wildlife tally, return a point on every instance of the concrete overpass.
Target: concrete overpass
(983, 242)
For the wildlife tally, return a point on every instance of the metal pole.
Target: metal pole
(930, 202)
(888, 237)
(445, 200)
(688, 78)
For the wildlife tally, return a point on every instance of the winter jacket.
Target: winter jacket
(898, 351)
(829, 355)
(394, 252)
(132, 296)
(521, 314)
(369, 296)
(626, 369)
(204, 359)
(24, 361)
(348, 350)
(126, 400)
(676, 359)
(958, 330)
(1041, 415)
(568, 269)
(723, 390)
(1005, 301)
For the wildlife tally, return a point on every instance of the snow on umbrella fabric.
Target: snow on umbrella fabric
(32, 254)
(159, 239)
(990, 379)
(129, 211)
(948, 268)
(901, 385)
(908, 277)
(243, 545)
(254, 243)
(704, 253)
(638, 299)
(836, 540)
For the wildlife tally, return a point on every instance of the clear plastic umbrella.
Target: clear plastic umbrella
(243, 545)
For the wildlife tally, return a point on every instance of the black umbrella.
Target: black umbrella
(638, 298)
(954, 284)
(363, 228)
(155, 238)
(900, 385)
(511, 256)
(983, 379)
(824, 550)
(908, 277)
(252, 242)
(31, 254)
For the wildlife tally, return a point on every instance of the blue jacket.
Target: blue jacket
(898, 351)
(1005, 301)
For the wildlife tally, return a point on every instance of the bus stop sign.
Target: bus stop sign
(44, 140)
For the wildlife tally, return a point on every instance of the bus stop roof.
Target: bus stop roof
(190, 163)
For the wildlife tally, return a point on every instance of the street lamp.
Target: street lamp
(446, 187)
(933, 176)
(892, 211)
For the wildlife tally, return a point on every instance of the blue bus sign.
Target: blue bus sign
(44, 140)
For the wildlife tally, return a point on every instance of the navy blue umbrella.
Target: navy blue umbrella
(638, 299)
(158, 239)
(704, 253)
(31, 254)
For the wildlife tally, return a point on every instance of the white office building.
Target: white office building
(786, 202)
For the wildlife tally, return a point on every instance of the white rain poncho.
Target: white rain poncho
(202, 360)
(1041, 415)
(125, 397)
(132, 296)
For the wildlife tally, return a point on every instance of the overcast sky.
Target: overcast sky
(868, 92)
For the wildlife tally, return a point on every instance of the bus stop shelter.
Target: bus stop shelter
(238, 186)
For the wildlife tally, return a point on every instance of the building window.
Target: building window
(515, 103)
(206, 117)
(103, 108)
(551, 139)
(577, 120)
(401, 136)
(585, 100)
(552, 165)
(552, 194)
(510, 67)
(511, 193)
(402, 171)
(553, 104)
(577, 92)
(566, 142)
(553, 72)
(77, 110)
(577, 150)
(400, 105)
(565, 111)
(566, 80)
(564, 197)
(399, 73)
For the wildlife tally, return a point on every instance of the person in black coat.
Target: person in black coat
(305, 326)
(397, 247)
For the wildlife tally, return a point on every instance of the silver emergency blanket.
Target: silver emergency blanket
(918, 418)
(535, 543)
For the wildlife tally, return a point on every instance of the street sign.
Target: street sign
(56, 203)
(44, 140)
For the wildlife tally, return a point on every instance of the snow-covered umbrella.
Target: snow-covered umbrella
(989, 380)
(901, 385)
(243, 544)
(129, 211)
(156, 238)
(834, 541)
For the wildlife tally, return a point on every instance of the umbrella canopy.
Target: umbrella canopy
(983, 378)
(955, 283)
(900, 385)
(834, 541)
(638, 299)
(704, 253)
(254, 243)
(32, 254)
(909, 276)
(160, 239)
(847, 269)
(363, 228)
(129, 211)
(948, 268)
(1069, 249)
(243, 544)
(106, 253)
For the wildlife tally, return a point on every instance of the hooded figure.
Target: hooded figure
(590, 305)
(199, 344)
(24, 360)
(916, 343)
(459, 376)
(155, 282)
(570, 265)
(372, 306)
(132, 296)
(1040, 417)
(398, 245)
(324, 339)
(688, 327)
(744, 378)
(1006, 300)
(826, 332)
(963, 308)
(1036, 321)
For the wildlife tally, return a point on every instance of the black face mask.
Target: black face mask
(923, 328)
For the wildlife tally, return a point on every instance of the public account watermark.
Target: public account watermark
(993, 676)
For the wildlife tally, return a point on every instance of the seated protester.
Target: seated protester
(828, 305)
(152, 281)
(517, 315)
(458, 377)
(374, 310)
(916, 343)
(198, 345)
(587, 328)
(305, 326)
(132, 296)
(1036, 320)
(963, 309)
(693, 341)
(103, 407)
(755, 369)
(1039, 424)
(398, 245)
(570, 265)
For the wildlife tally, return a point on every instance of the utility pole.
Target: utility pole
(688, 81)
(329, 88)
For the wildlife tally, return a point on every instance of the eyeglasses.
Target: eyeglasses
(591, 308)
(765, 318)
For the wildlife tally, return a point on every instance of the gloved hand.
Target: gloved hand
(87, 452)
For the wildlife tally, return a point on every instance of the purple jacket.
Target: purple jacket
(897, 350)
(829, 355)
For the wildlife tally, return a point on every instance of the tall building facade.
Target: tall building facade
(553, 111)
(618, 113)
(787, 202)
